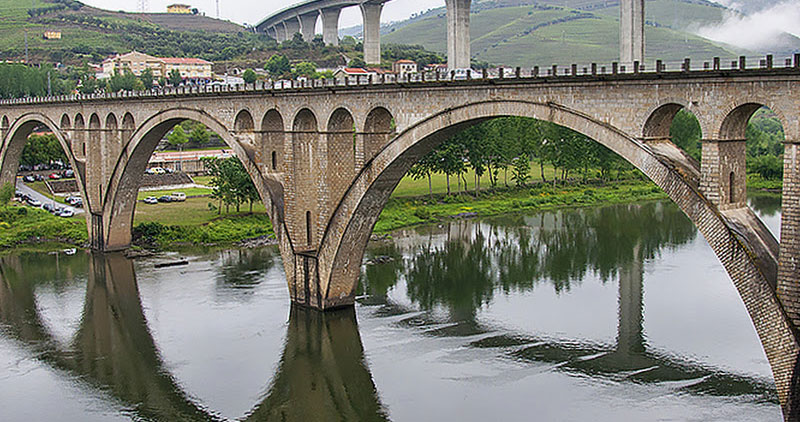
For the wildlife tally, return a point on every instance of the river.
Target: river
(616, 313)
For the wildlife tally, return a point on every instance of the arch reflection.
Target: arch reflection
(322, 373)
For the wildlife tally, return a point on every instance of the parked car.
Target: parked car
(71, 199)
(68, 174)
(155, 170)
(165, 198)
(178, 197)
(78, 203)
(66, 213)
(54, 176)
(34, 202)
(57, 210)
(48, 207)
(151, 200)
(29, 179)
(18, 194)
(38, 177)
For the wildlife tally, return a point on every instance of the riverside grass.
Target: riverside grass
(25, 227)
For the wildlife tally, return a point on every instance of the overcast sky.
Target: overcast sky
(252, 11)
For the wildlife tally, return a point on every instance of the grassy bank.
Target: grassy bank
(403, 212)
(21, 225)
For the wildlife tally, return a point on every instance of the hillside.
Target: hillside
(518, 33)
(91, 33)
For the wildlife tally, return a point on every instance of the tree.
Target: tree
(6, 193)
(249, 76)
(125, 81)
(178, 138)
(147, 78)
(175, 77)
(199, 134)
(42, 149)
(357, 62)
(278, 66)
(305, 69)
(232, 185)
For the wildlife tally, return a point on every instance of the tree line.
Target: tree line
(507, 146)
(231, 182)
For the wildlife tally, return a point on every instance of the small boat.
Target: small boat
(172, 264)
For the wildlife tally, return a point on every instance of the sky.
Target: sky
(252, 11)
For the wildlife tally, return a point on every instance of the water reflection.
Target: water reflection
(462, 266)
(322, 374)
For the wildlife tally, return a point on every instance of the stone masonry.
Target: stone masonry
(325, 159)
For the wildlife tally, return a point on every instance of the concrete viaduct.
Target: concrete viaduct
(302, 18)
(326, 156)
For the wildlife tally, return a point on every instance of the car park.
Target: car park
(164, 198)
(151, 200)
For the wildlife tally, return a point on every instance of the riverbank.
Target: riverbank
(193, 222)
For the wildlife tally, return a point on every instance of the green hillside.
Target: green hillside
(541, 34)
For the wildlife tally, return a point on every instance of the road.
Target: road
(27, 190)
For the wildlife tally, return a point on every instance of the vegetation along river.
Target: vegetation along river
(614, 313)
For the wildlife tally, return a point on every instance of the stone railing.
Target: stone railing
(743, 65)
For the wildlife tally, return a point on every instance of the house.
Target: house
(52, 35)
(179, 8)
(134, 61)
(190, 68)
(404, 67)
(440, 68)
(347, 72)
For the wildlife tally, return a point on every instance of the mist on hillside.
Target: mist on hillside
(768, 29)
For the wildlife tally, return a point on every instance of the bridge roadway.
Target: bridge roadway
(325, 157)
(302, 18)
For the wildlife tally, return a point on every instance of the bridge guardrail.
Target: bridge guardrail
(717, 64)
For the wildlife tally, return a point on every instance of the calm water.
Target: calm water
(618, 313)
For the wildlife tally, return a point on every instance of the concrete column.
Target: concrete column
(330, 26)
(272, 32)
(308, 23)
(458, 49)
(631, 32)
(789, 257)
(372, 32)
(280, 32)
(723, 178)
(292, 26)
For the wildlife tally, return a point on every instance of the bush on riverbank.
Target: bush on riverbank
(225, 230)
(19, 224)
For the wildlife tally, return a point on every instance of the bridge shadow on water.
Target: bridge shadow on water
(322, 373)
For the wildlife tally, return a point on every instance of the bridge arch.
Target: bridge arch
(378, 126)
(15, 141)
(120, 202)
(65, 122)
(273, 137)
(341, 145)
(351, 224)
(79, 137)
(244, 122)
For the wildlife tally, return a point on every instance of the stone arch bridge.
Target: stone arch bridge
(326, 157)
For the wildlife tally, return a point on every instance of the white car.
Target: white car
(178, 197)
(464, 74)
(151, 200)
(66, 213)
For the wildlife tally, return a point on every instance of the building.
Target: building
(179, 8)
(347, 72)
(404, 67)
(52, 35)
(190, 68)
(134, 61)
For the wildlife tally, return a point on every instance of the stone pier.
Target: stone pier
(308, 24)
(330, 25)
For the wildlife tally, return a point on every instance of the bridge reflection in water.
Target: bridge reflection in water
(322, 373)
